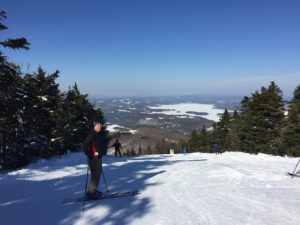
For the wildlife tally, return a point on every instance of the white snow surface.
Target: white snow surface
(197, 189)
(182, 109)
(116, 128)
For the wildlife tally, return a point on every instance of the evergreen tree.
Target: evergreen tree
(245, 105)
(204, 140)
(11, 131)
(36, 120)
(291, 132)
(262, 122)
(132, 152)
(233, 136)
(245, 125)
(221, 131)
(199, 142)
(40, 104)
(193, 143)
(11, 125)
(16, 43)
(73, 122)
(259, 126)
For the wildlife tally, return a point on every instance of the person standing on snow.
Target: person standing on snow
(94, 149)
(216, 148)
(118, 148)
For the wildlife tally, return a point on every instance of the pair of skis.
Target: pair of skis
(103, 196)
(293, 174)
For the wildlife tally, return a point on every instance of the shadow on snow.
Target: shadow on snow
(27, 201)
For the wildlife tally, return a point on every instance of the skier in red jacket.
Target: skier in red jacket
(94, 148)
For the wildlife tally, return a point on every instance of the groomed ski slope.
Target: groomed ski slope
(204, 189)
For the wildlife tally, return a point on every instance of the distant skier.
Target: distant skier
(118, 148)
(94, 148)
(216, 148)
(184, 150)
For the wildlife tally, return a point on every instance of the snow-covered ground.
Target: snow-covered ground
(183, 110)
(116, 128)
(204, 189)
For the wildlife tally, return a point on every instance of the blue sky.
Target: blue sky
(160, 47)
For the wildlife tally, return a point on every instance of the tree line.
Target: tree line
(37, 119)
(264, 123)
(161, 147)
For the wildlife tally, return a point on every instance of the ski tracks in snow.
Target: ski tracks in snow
(224, 189)
(193, 189)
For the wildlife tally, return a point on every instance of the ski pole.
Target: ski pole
(104, 180)
(86, 181)
(296, 166)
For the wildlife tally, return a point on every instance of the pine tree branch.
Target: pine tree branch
(16, 43)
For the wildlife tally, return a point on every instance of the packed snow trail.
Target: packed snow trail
(205, 189)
